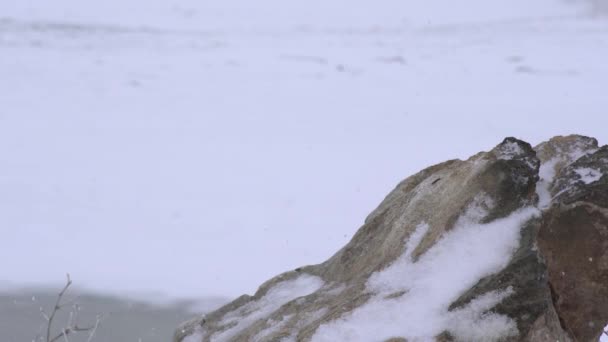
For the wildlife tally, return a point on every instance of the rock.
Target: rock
(509, 245)
(573, 239)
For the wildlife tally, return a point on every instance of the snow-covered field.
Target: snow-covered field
(193, 148)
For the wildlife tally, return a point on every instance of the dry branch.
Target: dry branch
(71, 326)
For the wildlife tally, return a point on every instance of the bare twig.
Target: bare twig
(70, 330)
(56, 308)
(92, 333)
(46, 317)
(72, 301)
(72, 325)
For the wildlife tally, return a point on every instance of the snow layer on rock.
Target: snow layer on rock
(471, 323)
(415, 238)
(273, 326)
(411, 298)
(197, 336)
(579, 151)
(509, 150)
(588, 175)
(546, 174)
(308, 318)
(280, 294)
(547, 171)
(478, 209)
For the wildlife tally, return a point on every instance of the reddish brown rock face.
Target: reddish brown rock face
(574, 243)
(573, 240)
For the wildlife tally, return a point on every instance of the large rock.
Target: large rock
(509, 245)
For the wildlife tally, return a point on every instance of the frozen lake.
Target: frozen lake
(121, 319)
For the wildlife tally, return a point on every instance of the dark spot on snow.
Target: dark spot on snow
(396, 294)
(522, 69)
(515, 59)
(393, 60)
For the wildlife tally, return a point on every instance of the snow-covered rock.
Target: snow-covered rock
(509, 245)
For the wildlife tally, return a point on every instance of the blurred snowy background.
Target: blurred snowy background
(168, 150)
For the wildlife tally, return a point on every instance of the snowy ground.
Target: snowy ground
(195, 148)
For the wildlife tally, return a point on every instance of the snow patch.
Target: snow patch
(311, 317)
(509, 150)
(477, 210)
(475, 324)
(307, 319)
(588, 175)
(415, 238)
(580, 150)
(547, 171)
(428, 286)
(273, 326)
(197, 336)
(546, 175)
(282, 293)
